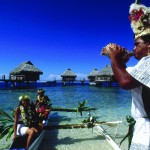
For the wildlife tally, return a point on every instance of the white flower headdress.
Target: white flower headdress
(22, 97)
(140, 19)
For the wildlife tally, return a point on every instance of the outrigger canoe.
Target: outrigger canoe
(20, 142)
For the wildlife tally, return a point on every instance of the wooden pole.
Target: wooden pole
(75, 126)
(72, 110)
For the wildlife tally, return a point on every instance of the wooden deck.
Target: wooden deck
(16, 82)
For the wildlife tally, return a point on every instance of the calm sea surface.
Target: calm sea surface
(111, 103)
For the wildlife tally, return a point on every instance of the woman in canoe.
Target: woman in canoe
(23, 124)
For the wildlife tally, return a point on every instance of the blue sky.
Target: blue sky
(59, 34)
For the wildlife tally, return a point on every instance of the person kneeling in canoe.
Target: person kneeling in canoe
(23, 120)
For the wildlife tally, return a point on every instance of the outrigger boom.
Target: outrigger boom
(108, 138)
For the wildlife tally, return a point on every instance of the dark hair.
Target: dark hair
(41, 90)
(20, 103)
(146, 38)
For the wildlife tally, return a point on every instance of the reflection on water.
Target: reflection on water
(112, 104)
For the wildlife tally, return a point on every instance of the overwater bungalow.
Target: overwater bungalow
(24, 74)
(92, 76)
(106, 77)
(68, 77)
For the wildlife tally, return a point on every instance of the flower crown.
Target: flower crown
(24, 97)
(140, 19)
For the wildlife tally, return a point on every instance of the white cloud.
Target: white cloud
(54, 77)
(81, 76)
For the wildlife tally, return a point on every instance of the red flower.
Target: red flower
(40, 109)
(43, 111)
(136, 15)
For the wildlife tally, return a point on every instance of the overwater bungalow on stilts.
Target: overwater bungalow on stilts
(105, 77)
(92, 77)
(23, 76)
(68, 77)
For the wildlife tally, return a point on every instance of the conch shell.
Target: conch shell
(124, 56)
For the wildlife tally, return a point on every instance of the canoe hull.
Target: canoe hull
(20, 143)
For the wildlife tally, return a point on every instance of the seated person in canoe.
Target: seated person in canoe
(42, 106)
(23, 122)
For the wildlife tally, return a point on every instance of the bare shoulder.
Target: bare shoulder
(17, 110)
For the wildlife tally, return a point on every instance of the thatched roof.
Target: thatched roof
(68, 73)
(26, 67)
(93, 73)
(106, 71)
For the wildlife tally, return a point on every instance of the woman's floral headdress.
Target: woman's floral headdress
(140, 19)
(24, 97)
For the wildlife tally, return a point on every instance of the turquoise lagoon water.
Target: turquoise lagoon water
(111, 103)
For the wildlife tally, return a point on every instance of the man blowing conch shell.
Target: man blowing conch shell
(136, 78)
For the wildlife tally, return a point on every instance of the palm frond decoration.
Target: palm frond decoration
(81, 106)
(129, 135)
(90, 121)
(6, 124)
(5, 114)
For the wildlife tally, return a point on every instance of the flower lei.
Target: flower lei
(43, 106)
(26, 115)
